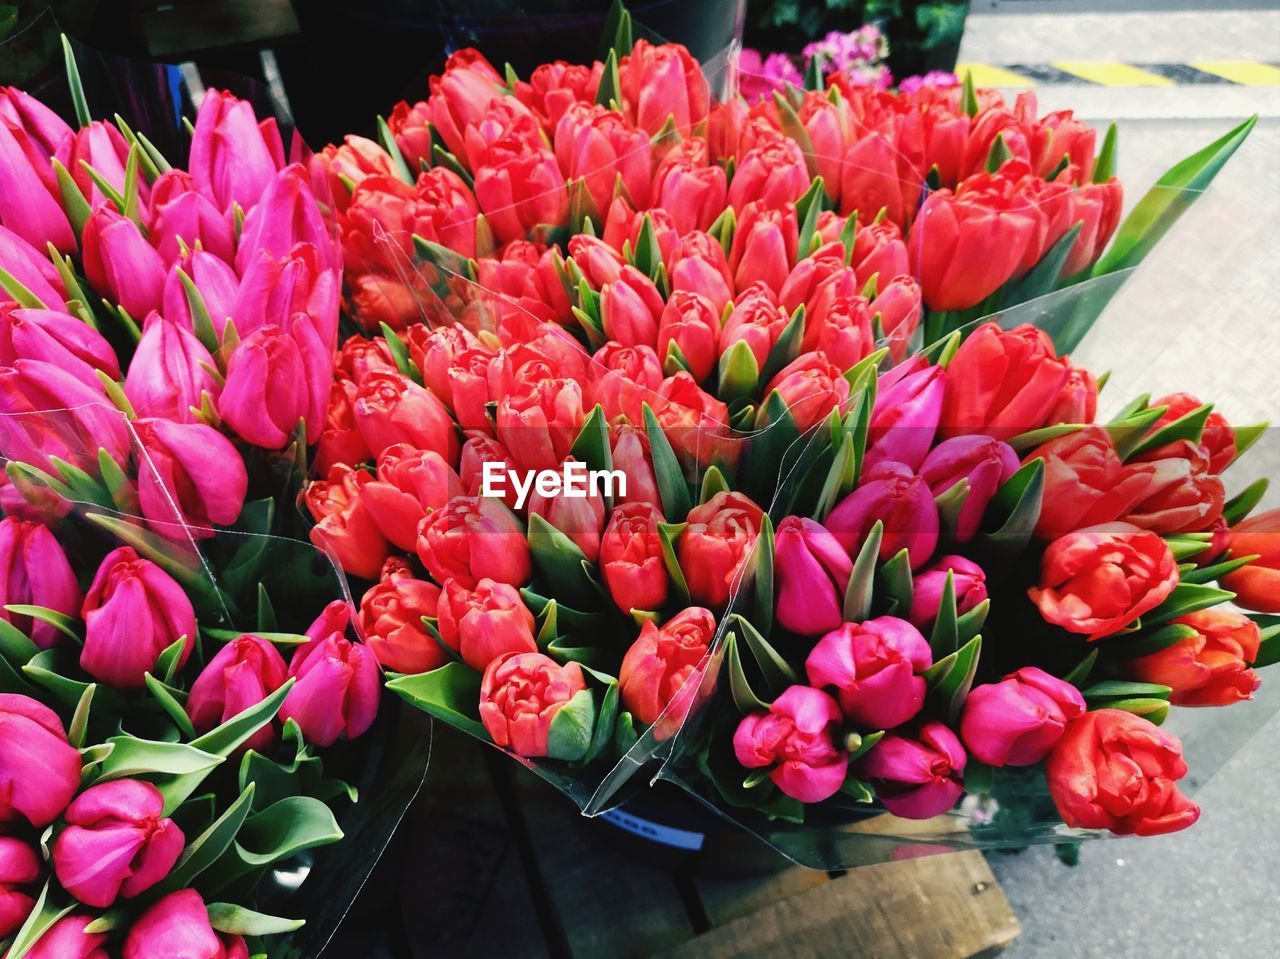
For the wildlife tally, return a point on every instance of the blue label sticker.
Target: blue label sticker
(654, 832)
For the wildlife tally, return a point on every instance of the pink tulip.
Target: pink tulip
(473, 538)
(46, 411)
(812, 387)
(522, 192)
(917, 778)
(757, 320)
(133, 612)
(795, 738)
(875, 667)
(773, 173)
(985, 462)
(905, 418)
(539, 420)
(461, 95)
(182, 216)
(103, 147)
(277, 378)
(694, 192)
(233, 156)
(169, 372)
(121, 264)
(39, 769)
(631, 308)
(579, 518)
(29, 204)
(19, 870)
(899, 307)
(411, 482)
(217, 283)
(596, 144)
(191, 478)
(1017, 721)
(902, 501)
(287, 214)
(34, 572)
(273, 287)
(241, 674)
(177, 927)
(32, 269)
(812, 571)
(337, 689)
(61, 340)
(117, 843)
(67, 939)
(44, 128)
(699, 265)
(926, 597)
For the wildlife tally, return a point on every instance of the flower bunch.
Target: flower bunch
(858, 55)
(166, 349)
(665, 407)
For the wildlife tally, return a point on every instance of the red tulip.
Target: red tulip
(277, 378)
(970, 583)
(1115, 770)
(1097, 580)
(191, 478)
(1182, 495)
(1257, 586)
(695, 423)
(239, 676)
(340, 441)
(117, 843)
(337, 689)
(344, 524)
(631, 557)
(692, 324)
(630, 309)
(39, 769)
(554, 87)
(233, 155)
(391, 620)
(661, 83)
(624, 378)
(694, 193)
(19, 870)
(411, 482)
(34, 572)
(812, 387)
(773, 173)
(1217, 441)
(520, 695)
(539, 420)
(764, 245)
(812, 572)
(1210, 668)
(337, 170)
(892, 494)
(716, 545)
(876, 176)
(120, 263)
(899, 307)
(660, 669)
(631, 455)
(390, 408)
(1086, 482)
(795, 738)
(581, 518)
(181, 216)
(461, 95)
(485, 623)
(522, 191)
(178, 927)
(917, 778)
(757, 320)
(473, 538)
(30, 204)
(596, 144)
(1017, 721)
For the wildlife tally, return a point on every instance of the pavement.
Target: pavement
(1202, 314)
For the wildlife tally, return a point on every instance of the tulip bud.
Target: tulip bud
(485, 623)
(1096, 783)
(539, 420)
(1016, 721)
(178, 926)
(879, 250)
(19, 870)
(764, 245)
(520, 695)
(631, 308)
(29, 205)
(624, 378)
(46, 412)
(663, 81)
(875, 176)
(875, 667)
(893, 495)
(1181, 496)
(984, 462)
(811, 387)
(899, 307)
(716, 545)
(970, 584)
(905, 418)
(191, 478)
(698, 265)
(757, 320)
(695, 423)
(795, 738)
(241, 674)
(691, 323)
(48, 131)
(461, 95)
(1086, 483)
(596, 144)
(276, 379)
(581, 518)
(275, 287)
(344, 525)
(476, 451)
(917, 778)
(169, 372)
(337, 689)
(521, 192)
(120, 263)
(554, 87)
(1257, 585)
(34, 572)
(473, 538)
(233, 156)
(41, 769)
(67, 939)
(773, 173)
(133, 612)
(181, 216)
(631, 559)
(64, 341)
(1217, 441)
(411, 482)
(287, 215)
(1209, 668)
(812, 572)
(1097, 580)
(216, 282)
(33, 270)
(117, 843)
(391, 615)
(660, 669)
(631, 455)
(1002, 383)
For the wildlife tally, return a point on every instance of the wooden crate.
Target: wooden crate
(504, 866)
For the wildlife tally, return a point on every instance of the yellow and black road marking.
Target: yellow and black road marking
(1109, 73)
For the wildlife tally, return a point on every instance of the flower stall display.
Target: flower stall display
(742, 443)
(179, 674)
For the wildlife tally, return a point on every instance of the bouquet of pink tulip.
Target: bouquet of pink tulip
(684, 439)
(176, 673)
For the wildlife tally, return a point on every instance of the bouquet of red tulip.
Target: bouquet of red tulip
(176, 672)
(684, 438)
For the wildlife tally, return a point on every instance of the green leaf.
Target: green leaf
(43, 916)
(203, 851)
(737, 374)
(284, 829)
(950, 502)
(672, 488)
(616, 36)
(572, 728)
(233, 920)
(744, 697)
(1016, 507)
(775, 672)
(762, 580)
(79, 725)
(969, 96)
(1242, 504)
(132, 757)
(1187, 427)
(951, 678)
(1082, 669)
(668, 533)
(78, 101)
(559, 560)
(388, 141)
(808, 209)
(606, 720)
(48, 669)
(167, 662)
(1172, 195)
(235, 732)
(1246, 436)
(896, 584)
(609, 93)
(970, 624)
(1104, 167)
(1044, 276)
(592, 445)
(1128, 431)
(857, 595)
(998, 154)
(784, 351)
(15, 645)
(1187, 598)
(450, 693)
(399, 353)
(945, 637)
(19, 293)
(169, 703)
